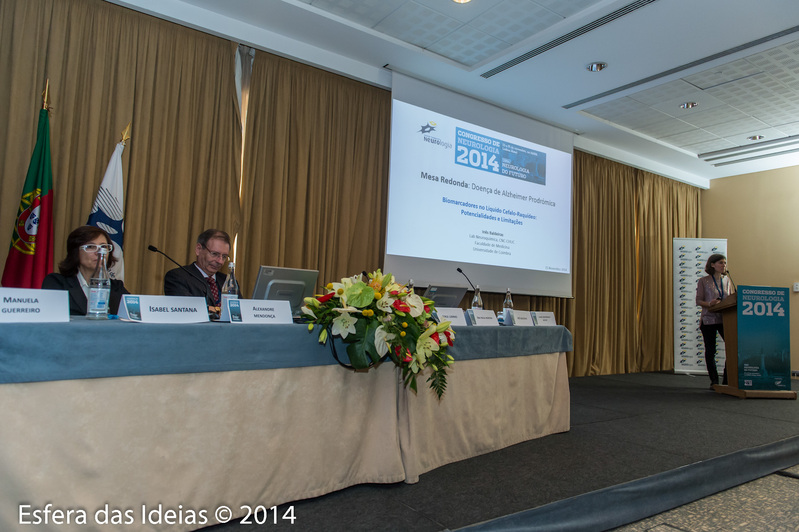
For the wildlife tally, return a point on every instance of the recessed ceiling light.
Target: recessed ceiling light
(688, 105)
(755, 137)
(461, 1)
(596, 66)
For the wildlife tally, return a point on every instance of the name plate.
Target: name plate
(453, 314)
(543, 319)
(257, 311)
(28, 305)
(163, 309)
(482, 317)
(519, 318)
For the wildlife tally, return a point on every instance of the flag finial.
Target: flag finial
(126, 134)
(46, 94)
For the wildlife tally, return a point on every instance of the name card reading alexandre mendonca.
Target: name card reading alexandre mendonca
(257, 311)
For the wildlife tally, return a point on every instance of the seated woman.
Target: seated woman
(83, 254)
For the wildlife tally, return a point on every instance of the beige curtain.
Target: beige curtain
(605, 331)
(315, 172)
(109, 66)
(666, 210)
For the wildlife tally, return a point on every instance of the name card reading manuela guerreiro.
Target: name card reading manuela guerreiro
(20, 305)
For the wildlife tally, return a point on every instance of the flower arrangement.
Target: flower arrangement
(378, 318)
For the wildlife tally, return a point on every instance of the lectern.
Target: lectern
(757, 344)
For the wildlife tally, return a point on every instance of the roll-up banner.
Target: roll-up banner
(689, 258)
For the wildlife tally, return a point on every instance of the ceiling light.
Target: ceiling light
(461, 1)
(596, 66)
(755, 137)
(688, 105)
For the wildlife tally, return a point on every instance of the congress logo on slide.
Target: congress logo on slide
(490, 154)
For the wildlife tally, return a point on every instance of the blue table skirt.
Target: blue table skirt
(84, 348)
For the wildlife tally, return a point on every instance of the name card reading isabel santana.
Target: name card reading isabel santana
(27, 305)
(163, 309)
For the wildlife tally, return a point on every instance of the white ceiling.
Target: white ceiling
(738, 60)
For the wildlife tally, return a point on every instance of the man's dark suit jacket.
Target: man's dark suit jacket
(189, 281)
(78, 305)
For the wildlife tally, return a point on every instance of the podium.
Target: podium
(763, 311)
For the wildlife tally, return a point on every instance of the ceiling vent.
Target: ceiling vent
(629, 8)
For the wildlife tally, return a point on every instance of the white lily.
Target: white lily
(344, 325)
(382, 338)
(385, 302)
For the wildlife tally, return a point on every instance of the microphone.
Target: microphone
(209, 299)
(727, 273)
(467, 278)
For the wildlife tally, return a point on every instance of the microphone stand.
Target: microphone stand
(467, 278)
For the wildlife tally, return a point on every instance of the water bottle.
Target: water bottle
(507, 308)
(230, 290)
(477, 301)
(99, 289)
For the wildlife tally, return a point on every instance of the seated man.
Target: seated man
(202, 278)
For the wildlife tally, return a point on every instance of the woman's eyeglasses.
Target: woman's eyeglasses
(94, 248)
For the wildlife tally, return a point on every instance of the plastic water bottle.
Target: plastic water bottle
(99, 290)
(230, 290)
(477, 301)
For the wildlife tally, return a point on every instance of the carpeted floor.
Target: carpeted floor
(624, 428)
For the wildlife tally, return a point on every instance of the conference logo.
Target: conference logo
(27, 226)
(427, 129)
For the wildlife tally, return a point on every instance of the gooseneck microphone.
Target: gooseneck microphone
(467, 278)
(209, 299)
(727, 273)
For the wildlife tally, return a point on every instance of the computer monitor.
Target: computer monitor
(445, 296)
(285, 284)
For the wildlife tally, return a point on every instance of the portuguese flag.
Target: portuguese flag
(30, 256)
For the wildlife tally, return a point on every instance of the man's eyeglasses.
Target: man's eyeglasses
(94, 248)
(216, 254)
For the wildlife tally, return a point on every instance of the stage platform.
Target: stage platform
(627, 432)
